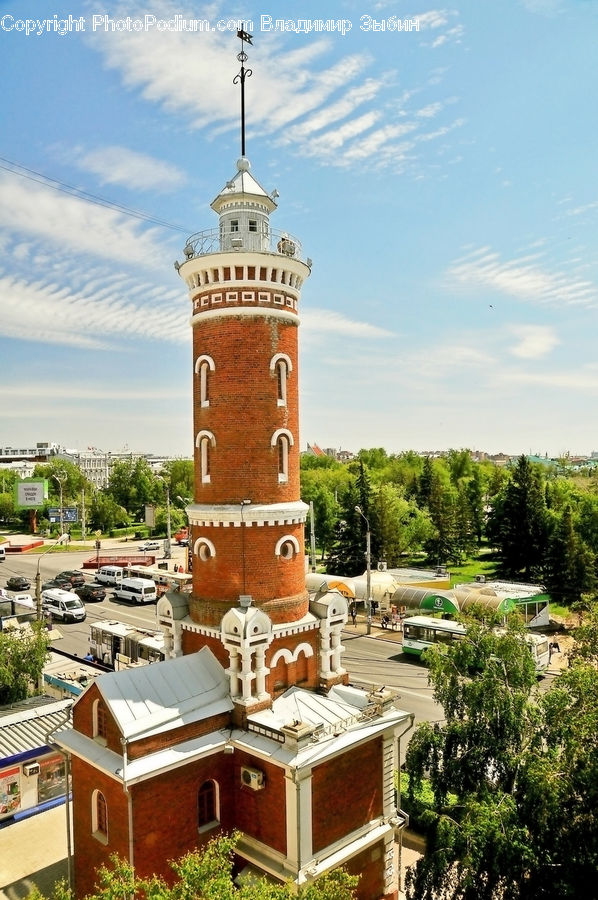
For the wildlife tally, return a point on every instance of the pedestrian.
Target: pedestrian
(385, 621)
(353, 613)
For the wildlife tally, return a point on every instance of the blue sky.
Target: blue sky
(443, 180)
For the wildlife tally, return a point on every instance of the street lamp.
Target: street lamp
(60, 477)
(167, 544)
(368, 559)
(38, 577)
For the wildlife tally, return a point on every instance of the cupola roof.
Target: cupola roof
(242, 186)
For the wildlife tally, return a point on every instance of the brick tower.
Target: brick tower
(249, 601)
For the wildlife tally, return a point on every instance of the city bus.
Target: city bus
(421, 632)
(123, 646)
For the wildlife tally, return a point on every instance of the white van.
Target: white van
(2, 554)
(110, 575)
(63, 605)
(138, 590)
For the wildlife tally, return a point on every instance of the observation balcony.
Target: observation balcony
(217, 240)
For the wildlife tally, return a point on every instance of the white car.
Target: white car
(150, 545)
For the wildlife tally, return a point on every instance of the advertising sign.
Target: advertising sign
(30, 493)
(150, 516)
(69, 514)
(10, 791)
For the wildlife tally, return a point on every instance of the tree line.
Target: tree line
(537, 524)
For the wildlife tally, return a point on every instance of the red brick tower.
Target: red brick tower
(247, 520)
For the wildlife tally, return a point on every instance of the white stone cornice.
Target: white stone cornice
(246, 311)
(253, 514)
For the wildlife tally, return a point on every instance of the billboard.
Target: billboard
(30, 493)
(150, 516)
(69, 514)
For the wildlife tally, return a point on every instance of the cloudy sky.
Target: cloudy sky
(442, 179)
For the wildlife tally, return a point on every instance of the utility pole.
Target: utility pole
(368, 557)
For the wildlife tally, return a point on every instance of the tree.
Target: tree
(518, 524)
(23, 655)
(570, 565)
(205, 874)
(513, 773)
(132, 485)
(105, 514)
(399, 526)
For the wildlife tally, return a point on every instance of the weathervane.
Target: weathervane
(240, 79)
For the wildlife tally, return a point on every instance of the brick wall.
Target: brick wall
(347, 793)
(243, 413)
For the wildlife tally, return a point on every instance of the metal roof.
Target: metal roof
(24, 727)
(151, 699)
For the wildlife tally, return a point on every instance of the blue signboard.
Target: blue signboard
(69, 514)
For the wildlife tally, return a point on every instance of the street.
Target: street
(369, 660)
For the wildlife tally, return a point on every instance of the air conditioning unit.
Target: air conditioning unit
(30, 769)
(480, 579)
(252, 778)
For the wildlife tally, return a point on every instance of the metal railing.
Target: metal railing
(215, 240)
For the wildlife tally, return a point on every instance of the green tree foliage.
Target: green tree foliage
(570, 566)
(104, 513)
(71, 476)
(513, 773)
(518, 522)
(23, 655)
(347, 554)
(206, 874)
(180, 475)
(399, 527)
(132, 485)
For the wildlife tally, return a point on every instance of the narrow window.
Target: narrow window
(207, 805)
(203, 366)
(234, 224)
(99, 817)
(253, 225)
(204, 452)
(281, 375)
(283, 458)
(101, 721)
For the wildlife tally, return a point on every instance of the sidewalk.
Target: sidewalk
(33, 853)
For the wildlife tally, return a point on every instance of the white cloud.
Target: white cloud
(523, 277)
(89, 318)
(295, 97)
(118, 165)
(61, 221)
(534, 341)
(324, 323)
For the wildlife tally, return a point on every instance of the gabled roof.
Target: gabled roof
(151, 699)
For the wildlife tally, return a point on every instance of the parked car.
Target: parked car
(71, 577)
(150, 545)
(88, 592)
(52, 583)
(18, 583)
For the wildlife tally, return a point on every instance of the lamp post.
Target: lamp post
(38, 577)
(168, 541)
(60, 477)
(368, 559)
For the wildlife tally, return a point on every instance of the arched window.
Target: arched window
(287, 547)
(99, 816)
(281, 365)
(99, 721)
(204, 441)
(203, 366)
(283, 441)
(204, 549)
(208, 814)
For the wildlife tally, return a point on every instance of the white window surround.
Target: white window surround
(95, 800)
(204, 549)
(282, 439)
(207, 826)
(282, 365)
(288, 657)
(286, 539)
(203, 365)
(203, 441)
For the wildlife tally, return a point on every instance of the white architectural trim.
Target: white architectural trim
(291, 539)
(207, 359)
(255, 311)
(199, 544)
(281, 356)
(273, 514)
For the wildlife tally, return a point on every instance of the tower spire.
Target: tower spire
(240, 79)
